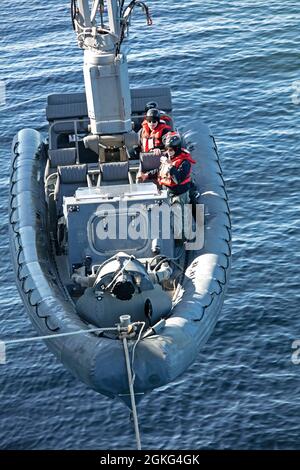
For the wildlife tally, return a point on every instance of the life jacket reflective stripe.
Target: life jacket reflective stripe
(164, 178)
(152, 139)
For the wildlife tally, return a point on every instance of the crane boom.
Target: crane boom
(105, 67)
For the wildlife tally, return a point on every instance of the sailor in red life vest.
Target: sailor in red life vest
(175, 175)
(175, 169)
(152, 132)
(163, 116)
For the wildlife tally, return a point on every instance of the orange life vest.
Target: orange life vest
(152, 139)
(164, 178)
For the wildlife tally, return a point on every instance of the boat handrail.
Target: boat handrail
(48, 185)
(59, 123)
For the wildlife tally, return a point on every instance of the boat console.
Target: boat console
(101, 221)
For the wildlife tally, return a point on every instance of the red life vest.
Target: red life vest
(152, 139)
(164, 179)
(167, 119)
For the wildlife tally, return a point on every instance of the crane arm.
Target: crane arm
(101, 26)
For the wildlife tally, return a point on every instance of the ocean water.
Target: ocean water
(235, 65)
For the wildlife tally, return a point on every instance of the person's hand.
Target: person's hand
(141, 177)
(157, 152)
(165, 159)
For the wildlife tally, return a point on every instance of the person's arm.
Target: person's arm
(180, 174)
(149, 176)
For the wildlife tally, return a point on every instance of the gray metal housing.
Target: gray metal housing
(85, 216)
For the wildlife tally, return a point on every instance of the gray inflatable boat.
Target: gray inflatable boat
(89, 243)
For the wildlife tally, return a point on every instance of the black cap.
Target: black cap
(153, 115)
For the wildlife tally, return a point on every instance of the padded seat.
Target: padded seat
(73, 105)
(66, 106)
(59, 157)
(141, 96)
(115, 173)
(70, 178)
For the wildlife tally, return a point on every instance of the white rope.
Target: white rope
(3, 343)
(133, 351)
(132, 396)
(58, 335)
(22, 103)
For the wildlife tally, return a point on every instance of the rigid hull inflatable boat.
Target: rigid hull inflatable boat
(84, 284)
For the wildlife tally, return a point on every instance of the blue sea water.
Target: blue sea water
(234, 64)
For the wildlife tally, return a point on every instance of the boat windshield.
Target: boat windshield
(117, 191)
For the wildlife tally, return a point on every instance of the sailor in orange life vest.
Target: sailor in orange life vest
(174, 174)
(152, 132)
